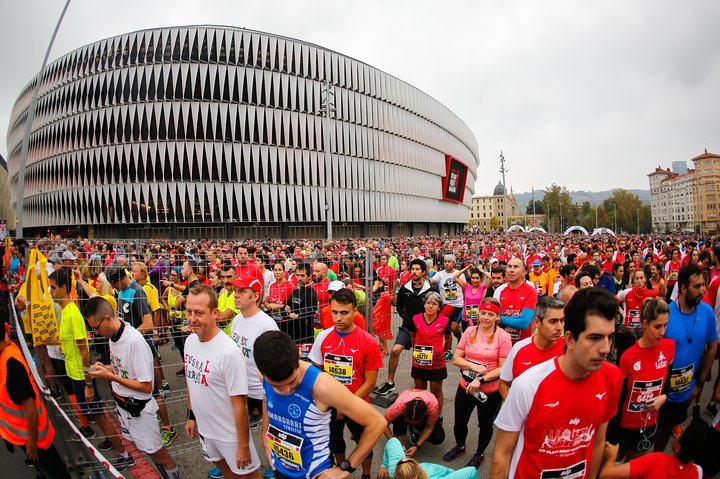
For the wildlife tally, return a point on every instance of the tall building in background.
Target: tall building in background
(220, 132)
(707, 192)
(487, 211)
(687, 200)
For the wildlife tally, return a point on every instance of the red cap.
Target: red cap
(251, 283)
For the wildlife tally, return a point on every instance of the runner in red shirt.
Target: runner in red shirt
(547, 343)
(431, 337)
(517, 302)
(658, 465)
(633, 298)
(672, 269)
(644, 368)
(387, 273)
(541, 430)
(351, 356)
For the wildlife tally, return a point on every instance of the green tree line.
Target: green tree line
(560, 212)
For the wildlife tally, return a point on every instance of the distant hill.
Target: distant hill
(594, 197)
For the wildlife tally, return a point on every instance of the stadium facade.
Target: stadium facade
(220, 132)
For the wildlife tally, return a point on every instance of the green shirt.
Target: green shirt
(72, 328)
(393, 262)
(331, 275)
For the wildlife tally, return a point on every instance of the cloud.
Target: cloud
(591, 95)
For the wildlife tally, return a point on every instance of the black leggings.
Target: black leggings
(464, 405)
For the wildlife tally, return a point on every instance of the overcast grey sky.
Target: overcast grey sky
(590, 95)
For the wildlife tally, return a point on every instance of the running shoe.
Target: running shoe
(696, 411)
(168, 435)
(269, 473)
(217, 473)
(122, 463)
(255, 421)
(476, 460)
(106, 445)
(448, 356)
(385, 389)
(166, 386)
(454, 453)
(88, 432)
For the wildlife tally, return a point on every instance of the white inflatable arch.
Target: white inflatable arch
(603, 231)
(515, 228)
(573, 229)
(537, 228)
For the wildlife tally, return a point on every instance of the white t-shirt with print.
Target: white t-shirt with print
(244, 332)
(214, 371)
(131, 358)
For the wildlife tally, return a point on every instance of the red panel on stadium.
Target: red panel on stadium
(454, 180)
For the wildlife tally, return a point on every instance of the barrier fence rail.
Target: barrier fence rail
(82, 457)
(359, 271)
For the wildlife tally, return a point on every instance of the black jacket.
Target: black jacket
(410, 303)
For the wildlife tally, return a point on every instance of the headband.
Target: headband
(490, 307)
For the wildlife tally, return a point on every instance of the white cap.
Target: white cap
(335, 286)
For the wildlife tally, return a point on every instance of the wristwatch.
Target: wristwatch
(345, 466)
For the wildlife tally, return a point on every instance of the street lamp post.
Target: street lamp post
(328, 106)
(20, 194)
(561, 218)
(615, 218)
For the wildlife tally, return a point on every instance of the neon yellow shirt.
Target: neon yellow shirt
(72, 328)
(152, 296)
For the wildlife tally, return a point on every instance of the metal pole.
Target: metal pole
(561, 228)
(369, 275)
(503, 170)
(19, 198)
(638, 221)
(328, 105)
(615, 218)
(596, 216)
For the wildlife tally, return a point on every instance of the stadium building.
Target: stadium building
(220, 132)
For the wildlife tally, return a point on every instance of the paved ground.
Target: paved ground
(192, 464)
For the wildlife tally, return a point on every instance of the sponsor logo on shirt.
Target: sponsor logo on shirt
(637, 366)
(574, 421)
(661, 361)
(601, 395)
(553, 404)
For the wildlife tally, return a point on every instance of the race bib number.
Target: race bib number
(285, 447)
(304, 349)
(633, 318)
(573, 472)
(673, 275)
(514, 333)
(642, 392)
(423, 355)
(472, 312)
(340, 367)
(469, 375)
(681, 379)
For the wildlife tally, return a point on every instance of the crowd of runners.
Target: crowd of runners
(582, 355)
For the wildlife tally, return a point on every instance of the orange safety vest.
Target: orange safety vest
(13, 423)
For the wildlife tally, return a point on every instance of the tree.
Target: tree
(559, 207)
(539, 209)
(630, 210)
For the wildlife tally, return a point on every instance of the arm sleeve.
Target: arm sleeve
(519, 322)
